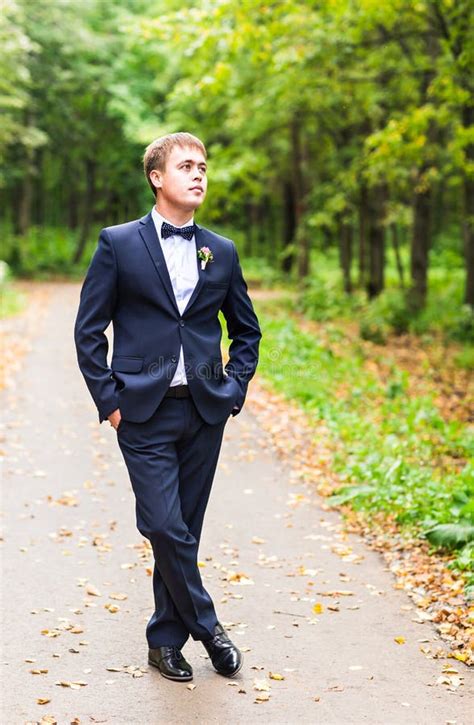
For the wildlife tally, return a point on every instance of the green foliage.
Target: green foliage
(460, 537)
(373, 329)
(45, 251)
(462, 328)
(322, 298)
(259, 273)
(451, 536)
(465, 358)
(464, 562)
(15, 81)
(395, 453)
(304, 108)
(5, 273)
(388, 313)
(11, 300)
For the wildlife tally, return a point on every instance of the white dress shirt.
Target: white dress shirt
(182, 262)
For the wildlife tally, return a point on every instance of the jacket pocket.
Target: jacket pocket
(126, 364)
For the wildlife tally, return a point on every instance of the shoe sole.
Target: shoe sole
(170, 677)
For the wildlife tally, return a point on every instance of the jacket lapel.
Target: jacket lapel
(148, 233)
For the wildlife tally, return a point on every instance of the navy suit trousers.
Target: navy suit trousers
(171, 460)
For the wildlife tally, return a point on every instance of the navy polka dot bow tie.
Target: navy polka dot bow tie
(167, 230)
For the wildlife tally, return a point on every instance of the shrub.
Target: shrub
(462, 328)
(324, 299)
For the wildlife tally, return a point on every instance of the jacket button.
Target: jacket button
(173, 359)
(181, 323)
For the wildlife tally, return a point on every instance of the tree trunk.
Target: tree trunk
(26, 196)
(255, 222)
(272, 230)
(289, 226)
(398, 258)
(72, 213)
(376, 241)
(468, 220)
(363, 223)
(423, 205)
(87, 211)
(262, 211)
(420, 246)
(299, 157)
(345, 252)
(304, 245)
(41, 209)
(27, 187)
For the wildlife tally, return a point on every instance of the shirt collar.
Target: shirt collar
(159, 219)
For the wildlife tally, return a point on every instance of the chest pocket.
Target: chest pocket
(217, 285)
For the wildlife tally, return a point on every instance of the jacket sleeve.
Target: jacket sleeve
(97, 303)
(242, 328)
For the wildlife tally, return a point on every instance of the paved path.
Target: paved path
(268, 554)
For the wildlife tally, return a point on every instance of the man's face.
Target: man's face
(183, 183)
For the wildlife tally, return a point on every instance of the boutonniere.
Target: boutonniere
(205, 255)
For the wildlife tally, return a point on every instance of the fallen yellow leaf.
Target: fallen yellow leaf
(276, 676)
(237, 577)
(118, 596)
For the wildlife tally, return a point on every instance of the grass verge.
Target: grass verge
(395, 452)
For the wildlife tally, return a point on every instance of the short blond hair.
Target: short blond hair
(158, 151)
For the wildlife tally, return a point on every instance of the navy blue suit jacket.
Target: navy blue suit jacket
(127, 283)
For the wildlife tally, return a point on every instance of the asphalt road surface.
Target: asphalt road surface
(317, 628)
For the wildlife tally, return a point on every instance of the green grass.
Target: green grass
(12, 302)
(395, 452)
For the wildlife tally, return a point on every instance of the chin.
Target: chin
(197, 203)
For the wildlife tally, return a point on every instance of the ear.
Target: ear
(155, 177)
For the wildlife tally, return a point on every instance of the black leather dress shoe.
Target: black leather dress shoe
(226, 658)
(171, 663)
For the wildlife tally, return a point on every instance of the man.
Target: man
(161, 280)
